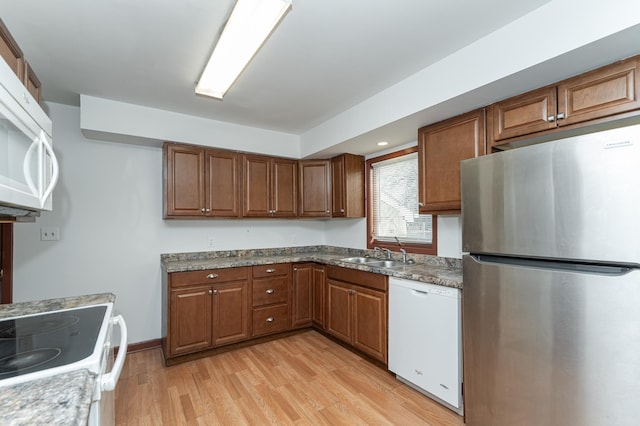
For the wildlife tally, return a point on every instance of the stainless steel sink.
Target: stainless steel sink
(372, 261)
(361, 260)
(390, 263)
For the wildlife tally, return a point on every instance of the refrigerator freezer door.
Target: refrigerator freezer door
(574, 198)
(550, 347)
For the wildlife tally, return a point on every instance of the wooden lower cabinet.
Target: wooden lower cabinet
(301, 294)
(357, 313)
(270, 298)
(206, 309)
(318, 296)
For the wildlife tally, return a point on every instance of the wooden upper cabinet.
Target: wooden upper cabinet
(184, 180)
(31, 82)
(525, 114)
(270, 186)
(222, 188)
(347, 186)
(577, 101)
(441, 147)
(200, 182)
(315, 188)
(11, 52)
(610, 90)
(284, 187)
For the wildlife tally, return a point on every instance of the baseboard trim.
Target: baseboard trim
(141, 346)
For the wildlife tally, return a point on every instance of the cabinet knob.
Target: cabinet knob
(341, 210)
(270, 319)
(551, 118)
(327, 211)
(207, 210)
(213, 291)
(269, 291)
(270, 271)
(420, 204)
(352, 291)
(560, 115)
(212, 276)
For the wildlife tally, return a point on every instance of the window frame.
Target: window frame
(430, 249)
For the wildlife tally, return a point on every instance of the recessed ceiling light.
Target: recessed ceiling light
(250, 24)
(383, 143)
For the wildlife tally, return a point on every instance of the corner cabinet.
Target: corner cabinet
(200, 182)
(357, 310)
(441, 147)
(601, 93)
(206, 309)
(347, 186)
(315, 188)
(270, 186)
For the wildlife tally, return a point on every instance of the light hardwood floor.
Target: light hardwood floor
(305, 379)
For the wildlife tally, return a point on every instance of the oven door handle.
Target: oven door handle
(108, 382)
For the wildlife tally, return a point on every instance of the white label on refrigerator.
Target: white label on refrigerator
(617, 144)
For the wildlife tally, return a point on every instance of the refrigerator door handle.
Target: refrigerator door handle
(555, 265)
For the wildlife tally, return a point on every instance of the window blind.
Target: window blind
(394, 185)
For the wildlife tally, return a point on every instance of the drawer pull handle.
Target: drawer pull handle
(270, 271)
(271, 319)
(269, 291)
(212, 276)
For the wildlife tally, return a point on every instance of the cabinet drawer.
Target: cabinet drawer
(271, 270)
(208, 276)
(362, 278)
(270, 319)
(270, 291)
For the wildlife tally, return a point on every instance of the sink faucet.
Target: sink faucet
(383, 250)
(403, 251)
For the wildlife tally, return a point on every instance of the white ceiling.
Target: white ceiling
(326, 56)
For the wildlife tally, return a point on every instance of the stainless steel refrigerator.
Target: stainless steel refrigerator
(551, 297)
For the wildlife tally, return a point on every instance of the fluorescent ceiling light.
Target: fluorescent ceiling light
(250, 24)
(383, 143)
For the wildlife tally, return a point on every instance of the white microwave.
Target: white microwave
(28, 165)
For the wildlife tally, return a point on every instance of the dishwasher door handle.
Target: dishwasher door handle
(419, 292)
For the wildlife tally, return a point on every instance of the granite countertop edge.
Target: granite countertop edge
(427, 269)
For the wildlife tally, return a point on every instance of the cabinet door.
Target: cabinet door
(339, 298)
(441, 147)
(525, 114)
(223, 190)
(256, 172)
(184, 183)
(230, 312)
(347, 185)
(370, 322)
(190, 320)
(315, 188)
(606, 91)
(318, 295)
(284, 188)
(302, 288)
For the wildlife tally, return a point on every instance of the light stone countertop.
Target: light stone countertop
(428, 269)
(63, 399)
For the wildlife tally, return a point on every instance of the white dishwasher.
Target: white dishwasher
(425, 339)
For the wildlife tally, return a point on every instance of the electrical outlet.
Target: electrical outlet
(49, 234)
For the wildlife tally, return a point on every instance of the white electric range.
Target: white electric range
(45, 344)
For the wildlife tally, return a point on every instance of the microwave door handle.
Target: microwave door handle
(54, 169)
(26, 166)
(108, 382)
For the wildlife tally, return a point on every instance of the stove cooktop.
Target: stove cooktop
(39, 342)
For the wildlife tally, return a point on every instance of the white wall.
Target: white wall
(108, 206)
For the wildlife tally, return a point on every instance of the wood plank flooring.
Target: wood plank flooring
(305, 379)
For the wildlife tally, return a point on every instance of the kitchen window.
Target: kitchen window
(392, 183)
